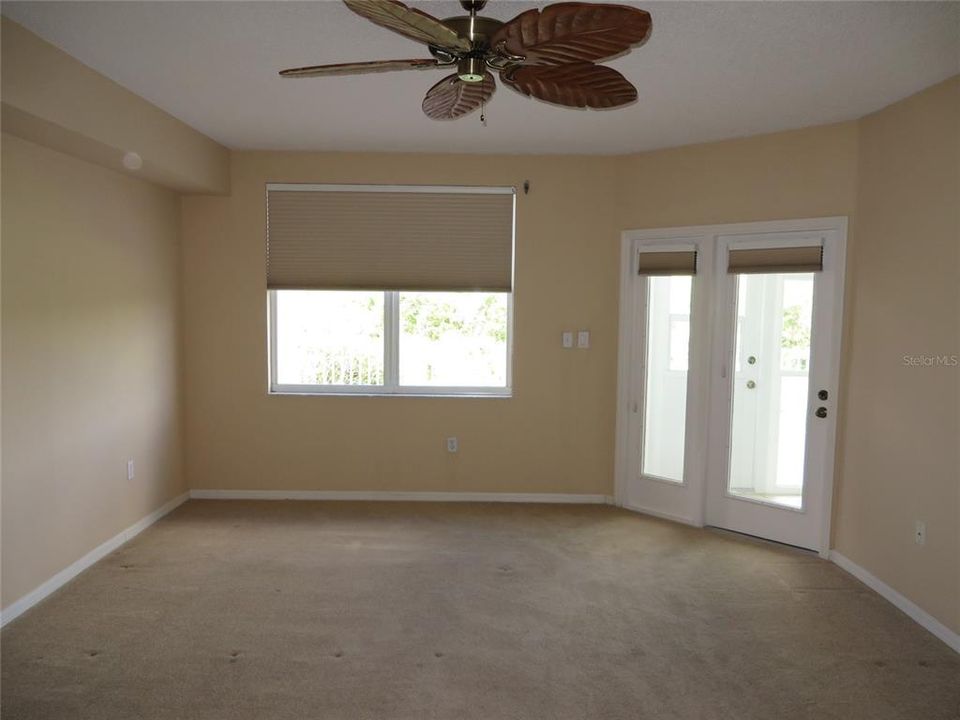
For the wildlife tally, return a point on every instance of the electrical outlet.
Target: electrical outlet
(583, 339)
(920, 533)
(131, 470)
(452, 445)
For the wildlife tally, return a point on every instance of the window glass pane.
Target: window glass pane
(329, 337)
(679, 342)
(668, 351)
(453, 339)
(769, 420)
(795, 324)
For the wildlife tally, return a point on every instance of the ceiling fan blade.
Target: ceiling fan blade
(572, 33)
(359, 68)
(452, 97)
(576, 85)
(409, 22)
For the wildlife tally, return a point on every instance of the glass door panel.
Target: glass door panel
(667, 363)
(770, 387)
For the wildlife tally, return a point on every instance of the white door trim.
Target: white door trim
(706, 235)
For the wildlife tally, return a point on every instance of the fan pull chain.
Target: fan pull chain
(483, 117)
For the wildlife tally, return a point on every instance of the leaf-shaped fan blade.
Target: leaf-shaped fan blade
(577, 85)
(409, 22)
(358, 68)
(452, 97)
(572, 33)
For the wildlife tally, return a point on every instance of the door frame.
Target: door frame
(632, 338)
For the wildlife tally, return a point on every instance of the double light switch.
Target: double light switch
(583, 339)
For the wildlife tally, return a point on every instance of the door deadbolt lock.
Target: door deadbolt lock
(821, 412)
(823, 394)
(752, 360)
(751, 384)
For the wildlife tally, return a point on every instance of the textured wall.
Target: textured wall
(55, 100)
(90, 296)
(899, 456)
(554, 435)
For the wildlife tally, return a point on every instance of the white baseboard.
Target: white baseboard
(570, 498)
(17, 608)
(913, 610)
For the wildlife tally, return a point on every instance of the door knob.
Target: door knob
(821, 412)
(751, 360)
(751, 384)
(823, 394)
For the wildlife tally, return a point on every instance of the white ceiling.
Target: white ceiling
(710, 70)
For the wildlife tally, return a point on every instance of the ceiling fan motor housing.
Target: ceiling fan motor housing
(478, 30)
(471, 69)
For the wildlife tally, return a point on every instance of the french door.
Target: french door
(728, 376)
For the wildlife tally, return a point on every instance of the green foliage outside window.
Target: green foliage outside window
(432, 318)
(795, 333)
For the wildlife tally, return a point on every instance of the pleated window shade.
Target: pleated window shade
(776, 260)
(674, 262)
(395, 239)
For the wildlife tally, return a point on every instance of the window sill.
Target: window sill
(474, 394)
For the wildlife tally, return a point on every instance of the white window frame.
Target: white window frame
(391, 362)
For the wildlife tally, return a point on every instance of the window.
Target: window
(447, 343)
(331, 338)
(667, 362)
(440, 319)
(669, 271)
(453, 339)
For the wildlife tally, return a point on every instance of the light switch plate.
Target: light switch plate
(583, 339)
(567, 339)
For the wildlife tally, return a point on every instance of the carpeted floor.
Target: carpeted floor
(337, 611)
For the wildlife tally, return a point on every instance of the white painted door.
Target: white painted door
(773, 401)
(665, 327)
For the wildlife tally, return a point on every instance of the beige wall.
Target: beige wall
(90, 343)
(899, 459)
(797, 174)
(554, 435)
(53, 99)
(557, 433)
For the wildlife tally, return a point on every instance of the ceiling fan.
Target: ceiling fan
(548, 54)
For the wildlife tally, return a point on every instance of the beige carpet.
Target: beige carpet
(333, 611)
